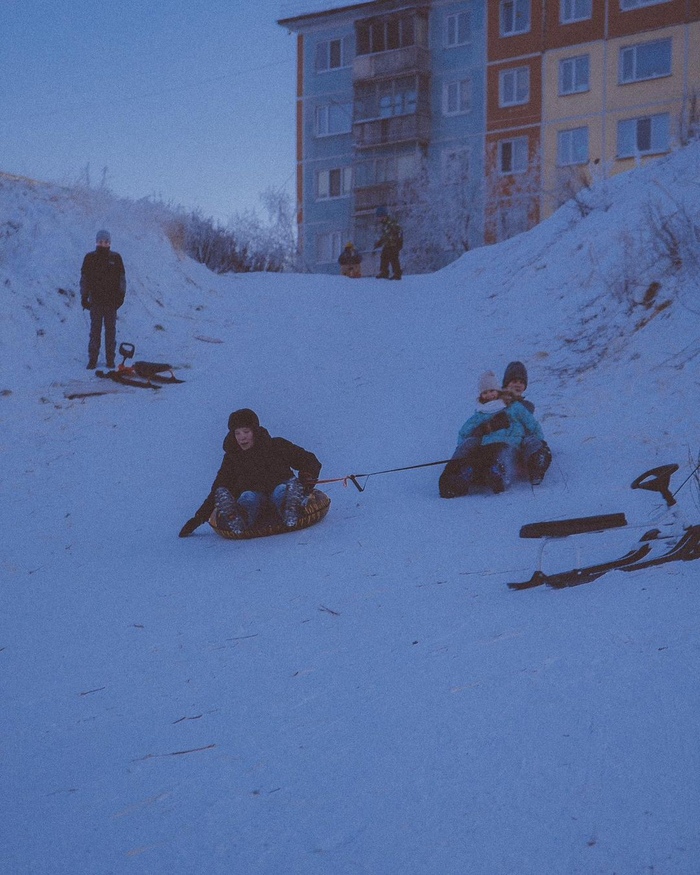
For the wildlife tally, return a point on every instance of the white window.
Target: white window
(645, 61)
(637, 4)
(572, 147)
(575, 10)
(328, 246)
(512, 155)
(455, 166)
(333, 118)
(457, 97)
(515, 17)
(574, 75)
(647, 135)
(514, 86)
(457, 29)
(334, 183)
(333, 54)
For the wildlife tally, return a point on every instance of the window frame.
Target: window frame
(454, 18)
(571, 160)
(513, 72)
(634, 49)
(663, 128)
(631, 5)
(346, 54)
(514, 142)
(344, 183)
(326, 108)
(501, 17)
(573, 18)
(462, 85)
(572, 60)
(334, 240)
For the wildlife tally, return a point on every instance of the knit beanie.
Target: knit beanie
(103, 235)
(244, 418)
(515, 371)
(487, 382)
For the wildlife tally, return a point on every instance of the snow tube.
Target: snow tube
(313, 512)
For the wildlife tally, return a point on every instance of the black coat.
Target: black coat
(259, 469)
(103, 279)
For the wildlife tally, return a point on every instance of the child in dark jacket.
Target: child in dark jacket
(255, 476)
(533, 453)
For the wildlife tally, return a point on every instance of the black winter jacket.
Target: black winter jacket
(260, 469)
(103, 279)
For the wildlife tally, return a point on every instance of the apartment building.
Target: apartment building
(514, 102)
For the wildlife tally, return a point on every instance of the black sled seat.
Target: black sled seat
(574, 526)
(312, 512)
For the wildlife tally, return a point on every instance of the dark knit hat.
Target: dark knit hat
(515, 371)
(103, 235)
(244, 418)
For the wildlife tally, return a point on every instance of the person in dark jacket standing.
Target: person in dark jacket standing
(256, 476)
(102, 290)
(391, 243)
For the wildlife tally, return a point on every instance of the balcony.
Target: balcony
(372, 196)
(391, 131)
(396, 62)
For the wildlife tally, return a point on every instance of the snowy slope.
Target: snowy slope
(365, 696)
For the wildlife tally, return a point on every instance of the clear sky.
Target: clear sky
(192, 102)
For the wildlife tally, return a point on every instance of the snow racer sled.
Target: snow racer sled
(312, 512)
(140, 374)
(655, 547)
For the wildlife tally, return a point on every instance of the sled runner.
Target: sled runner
(312, 512)
(680, 543)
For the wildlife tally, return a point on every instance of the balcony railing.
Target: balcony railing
(396, 62)
(372, 196)
(389, 131)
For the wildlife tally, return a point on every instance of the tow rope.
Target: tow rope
(353, 478)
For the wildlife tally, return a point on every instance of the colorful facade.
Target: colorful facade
(520, 100)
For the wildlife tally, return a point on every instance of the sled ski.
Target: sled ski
(126, 380)
(685, 547)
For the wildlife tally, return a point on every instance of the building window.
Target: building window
(457, 97)
(386, 99)
(457, 29)
(645, 61)
(455, 166)
(575, 10)
(512, 155)
(333, 118)
(334, 183)
(572, 147)
(514, 86)
(638, 4)
(515, 17)
(383, 35)
(574, 75)
(648, 135)
(328, 246)
(333, 54)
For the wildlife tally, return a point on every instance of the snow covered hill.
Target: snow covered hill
(366, 695)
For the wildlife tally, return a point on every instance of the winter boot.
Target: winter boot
(497, 479)
(293, 498)
(228, 515)
(537, 465)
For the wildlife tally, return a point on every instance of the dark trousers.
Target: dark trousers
(99, 314)
(389, 258)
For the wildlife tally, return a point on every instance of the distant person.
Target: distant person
(102, 290)
(534, 453)
(391, 244)
(350, 260)
(255, 477)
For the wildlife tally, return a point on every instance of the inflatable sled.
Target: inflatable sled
(312, 512)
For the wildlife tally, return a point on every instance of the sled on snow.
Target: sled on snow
(312, 512)
(656, 547)
(142, 375)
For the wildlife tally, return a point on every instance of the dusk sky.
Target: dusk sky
(189, 102)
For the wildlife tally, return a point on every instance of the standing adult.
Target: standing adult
(102, 290)
(391, 243)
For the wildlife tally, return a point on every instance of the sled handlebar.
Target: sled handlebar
(657, 480)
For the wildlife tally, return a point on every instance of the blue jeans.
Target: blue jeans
(100, 313)
(255, 503)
